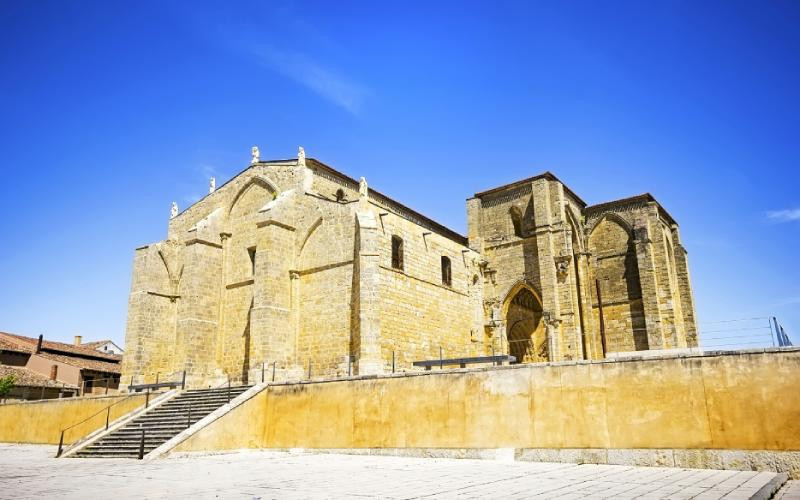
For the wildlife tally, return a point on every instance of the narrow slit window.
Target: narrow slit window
(516, 221)
(447, 275)
(252, 253)
(397, 252)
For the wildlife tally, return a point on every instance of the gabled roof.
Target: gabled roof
(404, 210)
(21, 343)
(393, 204)
(544, 175)
(631, 200)
(27, 378)
(99, 343)
(7, 345)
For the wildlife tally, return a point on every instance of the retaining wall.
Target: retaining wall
(42, 421)
(746, 401)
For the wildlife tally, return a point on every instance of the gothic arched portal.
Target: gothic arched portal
(525, 331)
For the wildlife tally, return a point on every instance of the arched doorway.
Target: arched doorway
(525, 332)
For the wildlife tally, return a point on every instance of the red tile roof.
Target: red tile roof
(82, 357)
(28, 344)
(6, 345)
(83, 363)
(27, 378)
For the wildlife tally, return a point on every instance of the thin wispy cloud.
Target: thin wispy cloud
(789, 301)
(203, 173)
(792, 215)
(323, 81)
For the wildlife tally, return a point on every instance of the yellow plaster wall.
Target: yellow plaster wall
(42, 421)
(746, 401)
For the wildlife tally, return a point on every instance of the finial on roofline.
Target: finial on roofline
(173, 211)
(212, 185)
(301, 156)
(256, 155)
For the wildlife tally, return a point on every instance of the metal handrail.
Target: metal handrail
(82, 387)
(159, 385)
(167, 376)
(107, 409)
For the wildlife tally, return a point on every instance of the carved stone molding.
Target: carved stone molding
(562, 265)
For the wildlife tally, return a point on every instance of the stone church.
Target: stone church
(294, 263)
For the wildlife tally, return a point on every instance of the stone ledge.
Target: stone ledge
(582, 362)
(785, 463)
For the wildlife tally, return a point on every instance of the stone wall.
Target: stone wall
(537, 235)
(419, 312)
(617, 273)
(686, 407)
(262, 271)
(290, 263)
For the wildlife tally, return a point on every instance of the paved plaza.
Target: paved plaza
(28, 471)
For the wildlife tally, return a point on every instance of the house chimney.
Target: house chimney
(78, 339)
(39, 344)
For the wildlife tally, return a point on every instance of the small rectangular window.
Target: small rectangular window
(447, 275)
(252, 253)
(397, 252)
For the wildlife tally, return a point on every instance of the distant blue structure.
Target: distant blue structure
(783, 338)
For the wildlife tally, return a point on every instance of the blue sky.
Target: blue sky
(112, 110)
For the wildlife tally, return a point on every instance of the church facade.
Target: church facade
(294, 264)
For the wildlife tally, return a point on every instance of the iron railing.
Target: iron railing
(106, 410)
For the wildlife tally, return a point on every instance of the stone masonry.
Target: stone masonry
(294, 263)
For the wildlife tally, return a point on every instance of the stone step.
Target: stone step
(182, 404)
(171, 416)
(161, 427)
(138, 436)
(178, 411)
(105, 455)
(157, 424)
(203, 401)
(131, 453)
(211, 393)
(161, 423)
(124, 446)
(121, 443)
(215, 399)
(223, 397)
(215, 395)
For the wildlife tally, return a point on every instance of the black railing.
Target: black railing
(106, 410)
(159, 385)
(93, 383)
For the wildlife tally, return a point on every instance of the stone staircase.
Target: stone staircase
(160, 424)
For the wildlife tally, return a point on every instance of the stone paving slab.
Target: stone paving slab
(789, 491)
(28, 471)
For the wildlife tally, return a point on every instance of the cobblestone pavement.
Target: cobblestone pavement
(30, 472)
